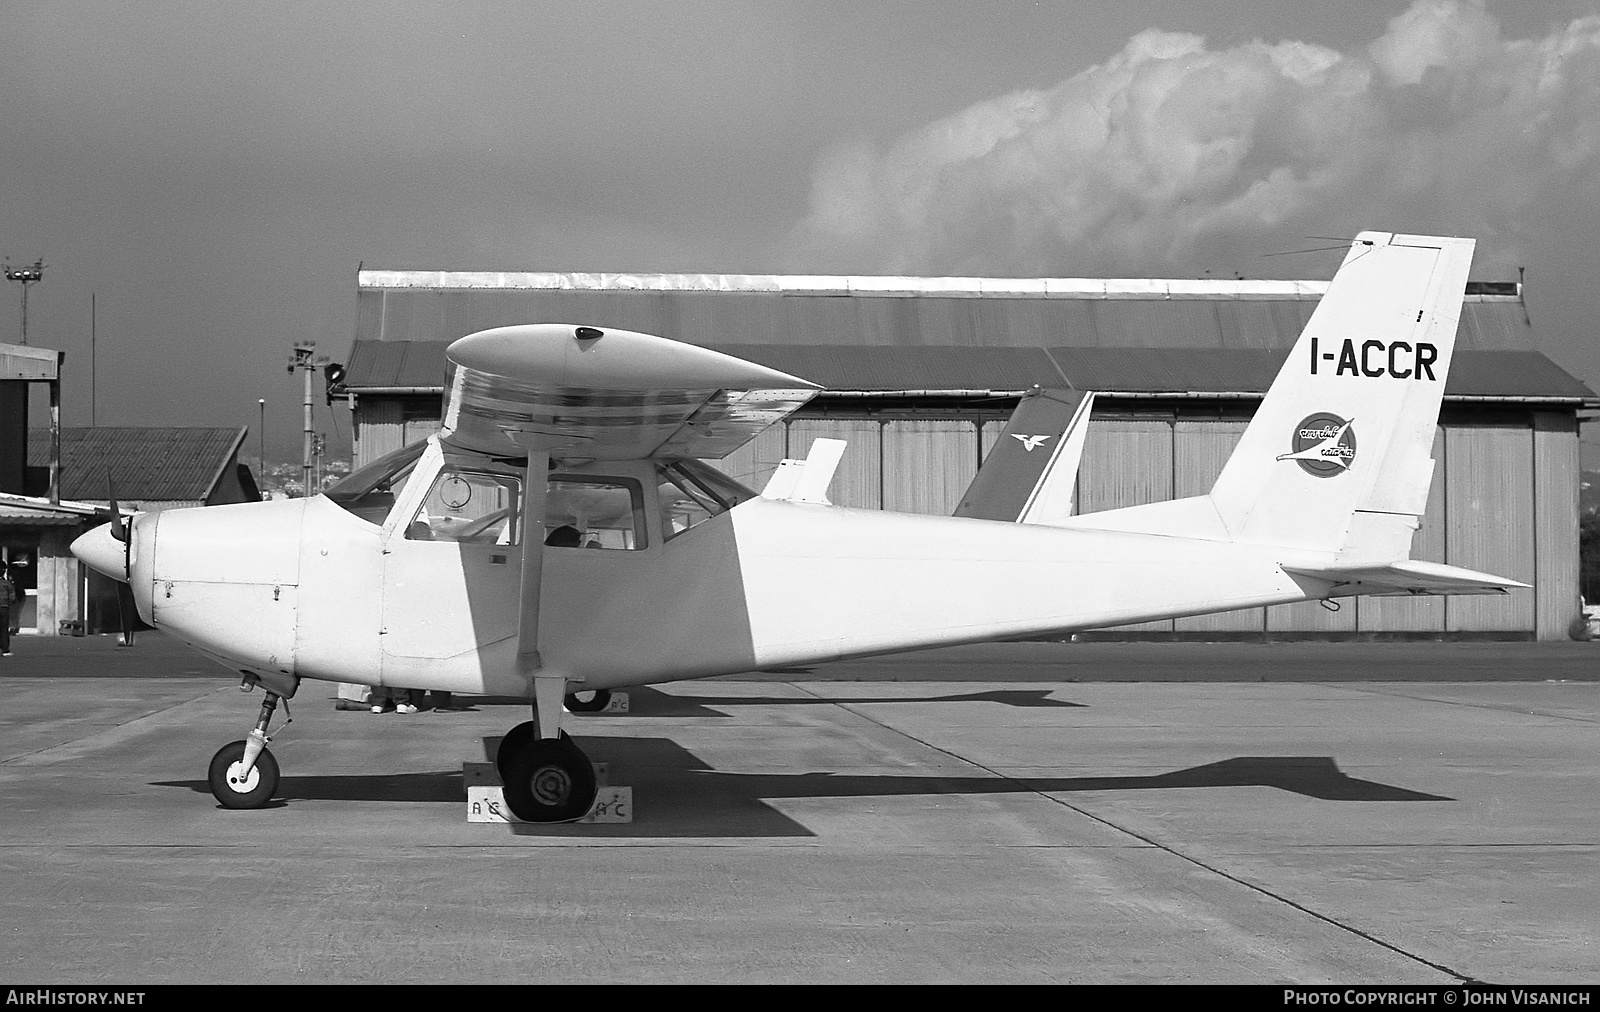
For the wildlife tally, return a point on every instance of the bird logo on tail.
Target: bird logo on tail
(1324, 445)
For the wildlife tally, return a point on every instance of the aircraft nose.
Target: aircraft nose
(102, 553)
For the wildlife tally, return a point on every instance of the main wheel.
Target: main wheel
(235, 791)
(550, 780)
(515, 740)
(588, 701)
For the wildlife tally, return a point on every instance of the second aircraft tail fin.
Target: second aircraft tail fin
(1031, 473)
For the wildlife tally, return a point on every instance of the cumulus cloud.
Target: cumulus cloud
(1176, 158)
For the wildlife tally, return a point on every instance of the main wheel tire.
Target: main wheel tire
(234, 791)
(588, 700)
(550, 780)
(515, 740)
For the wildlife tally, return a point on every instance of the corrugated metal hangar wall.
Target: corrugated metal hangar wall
(942, 362)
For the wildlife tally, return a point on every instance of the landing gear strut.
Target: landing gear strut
(244, 773)
(545, 777)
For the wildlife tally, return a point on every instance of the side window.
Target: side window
(472, 507)
(594, 513)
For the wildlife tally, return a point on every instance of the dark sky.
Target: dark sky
(214, 173)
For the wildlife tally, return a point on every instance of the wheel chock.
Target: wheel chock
(486, 797)
(618, 703)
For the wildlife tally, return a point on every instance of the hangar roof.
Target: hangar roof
(146, 465)
(418, 367)
(717, 309)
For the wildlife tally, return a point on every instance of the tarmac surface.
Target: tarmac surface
(1020, 813)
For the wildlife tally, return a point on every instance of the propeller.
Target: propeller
(122, 530)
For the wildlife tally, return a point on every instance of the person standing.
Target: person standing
(8, 600)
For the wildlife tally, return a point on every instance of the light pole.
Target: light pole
(261, 444)
(303, 352)
(26, 276)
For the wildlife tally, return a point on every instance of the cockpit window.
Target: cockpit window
(692, 493)
(469, 507)
(370, 492)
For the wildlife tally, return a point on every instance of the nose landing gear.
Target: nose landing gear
(244, 774)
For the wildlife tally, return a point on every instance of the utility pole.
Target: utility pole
(26, 276)
(303, 352)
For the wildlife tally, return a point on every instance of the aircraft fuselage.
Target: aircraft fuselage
(303, 587)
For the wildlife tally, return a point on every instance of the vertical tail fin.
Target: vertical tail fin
(1337, 456)
(1031, 473)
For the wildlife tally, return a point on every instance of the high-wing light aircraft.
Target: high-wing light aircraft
(561, 535)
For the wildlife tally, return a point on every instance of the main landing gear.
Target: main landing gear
(244, 774)
(547, 779)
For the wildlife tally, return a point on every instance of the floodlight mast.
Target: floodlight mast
(25, 276)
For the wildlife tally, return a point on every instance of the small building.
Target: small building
(921, 374)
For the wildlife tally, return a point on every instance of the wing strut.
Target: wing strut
(549, 686)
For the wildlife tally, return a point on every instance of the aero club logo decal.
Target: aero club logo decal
(1323, 445)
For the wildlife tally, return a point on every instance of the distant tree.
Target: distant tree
(1589, 556)
(285, 481)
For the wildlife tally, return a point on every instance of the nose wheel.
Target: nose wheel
(244, 774)
(235, 787)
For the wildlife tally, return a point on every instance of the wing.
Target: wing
(607, 394)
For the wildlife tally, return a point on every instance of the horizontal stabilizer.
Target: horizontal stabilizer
(807, 480)
(1407, 577)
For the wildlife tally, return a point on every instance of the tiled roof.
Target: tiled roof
(144, 464)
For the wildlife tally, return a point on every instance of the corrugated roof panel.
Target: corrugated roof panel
(144, 464)
(1497, 373)
(928, 318)
(1494, 323)
(853, 367)
(387, 364)
(1132, 323)
(1169, 370)
(1250, 324)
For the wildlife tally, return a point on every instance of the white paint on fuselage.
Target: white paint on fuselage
(307, 587)
(824, 583)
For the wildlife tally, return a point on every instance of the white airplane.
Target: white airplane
(560, 534)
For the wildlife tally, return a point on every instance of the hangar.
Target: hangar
(921, 374)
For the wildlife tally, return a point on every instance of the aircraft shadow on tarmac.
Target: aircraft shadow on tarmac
(648, 702)
(676, 794)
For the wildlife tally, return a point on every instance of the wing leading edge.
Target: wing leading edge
(607, 394)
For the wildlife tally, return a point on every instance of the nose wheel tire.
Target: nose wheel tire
(549, 780)
(587, 701)
(232, 787)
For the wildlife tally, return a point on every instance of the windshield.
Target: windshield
(693, 492)
(370, 492)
